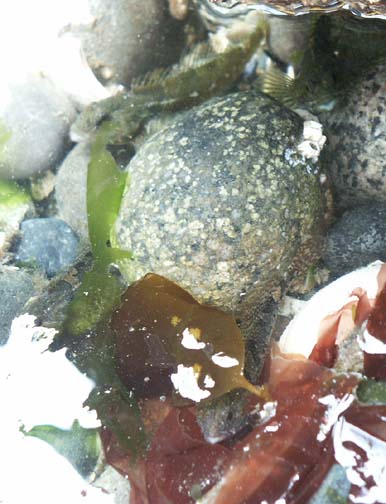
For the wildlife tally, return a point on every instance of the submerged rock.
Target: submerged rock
(16, 288)
(356, 147)
(48, 243)
(356, 239)
(130, 37)
(222, 203)
(72, 179)
(34, 122)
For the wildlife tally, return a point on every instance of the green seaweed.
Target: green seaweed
(11, 194)
(85, 329)
(80, 446)
(100, 290)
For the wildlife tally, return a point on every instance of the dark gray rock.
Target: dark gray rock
(16, 288)
(356, 239)
(222, 203)
(356, 149)
(50, 244)
(130, 37)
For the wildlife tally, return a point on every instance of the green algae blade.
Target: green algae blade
(100, 290)
(92, 347)
(80, 446)
(105, 186)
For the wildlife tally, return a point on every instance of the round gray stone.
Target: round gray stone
(288, 37)
(221, 202)
(130, 37)
(356, 149)
(34, 126)
(50, 244)
(356, 239)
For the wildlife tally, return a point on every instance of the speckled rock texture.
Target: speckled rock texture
(356, 239)
(130, 37)
(355, 154)
(220, 201)
(48, 243)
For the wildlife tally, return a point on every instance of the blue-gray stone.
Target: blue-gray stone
(48, 243)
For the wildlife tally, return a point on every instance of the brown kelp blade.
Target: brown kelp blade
(168, 342)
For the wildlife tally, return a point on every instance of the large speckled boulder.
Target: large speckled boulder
(356, 149)
(221, 202)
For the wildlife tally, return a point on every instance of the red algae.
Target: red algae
(309, 421)
(288, 456)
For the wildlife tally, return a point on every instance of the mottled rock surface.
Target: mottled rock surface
(221, 202)
(49, 243)
(355, 154)
(356, 239)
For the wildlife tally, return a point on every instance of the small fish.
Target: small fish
(200, 74)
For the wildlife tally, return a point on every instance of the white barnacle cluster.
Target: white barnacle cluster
(313, 140)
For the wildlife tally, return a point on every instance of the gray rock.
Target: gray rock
(288, 36)
(130, 37)
(16, 288)
(356, 239)
(50, 244)
(221, 203)
(34, 126)
(72, 180)
(356, 148)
